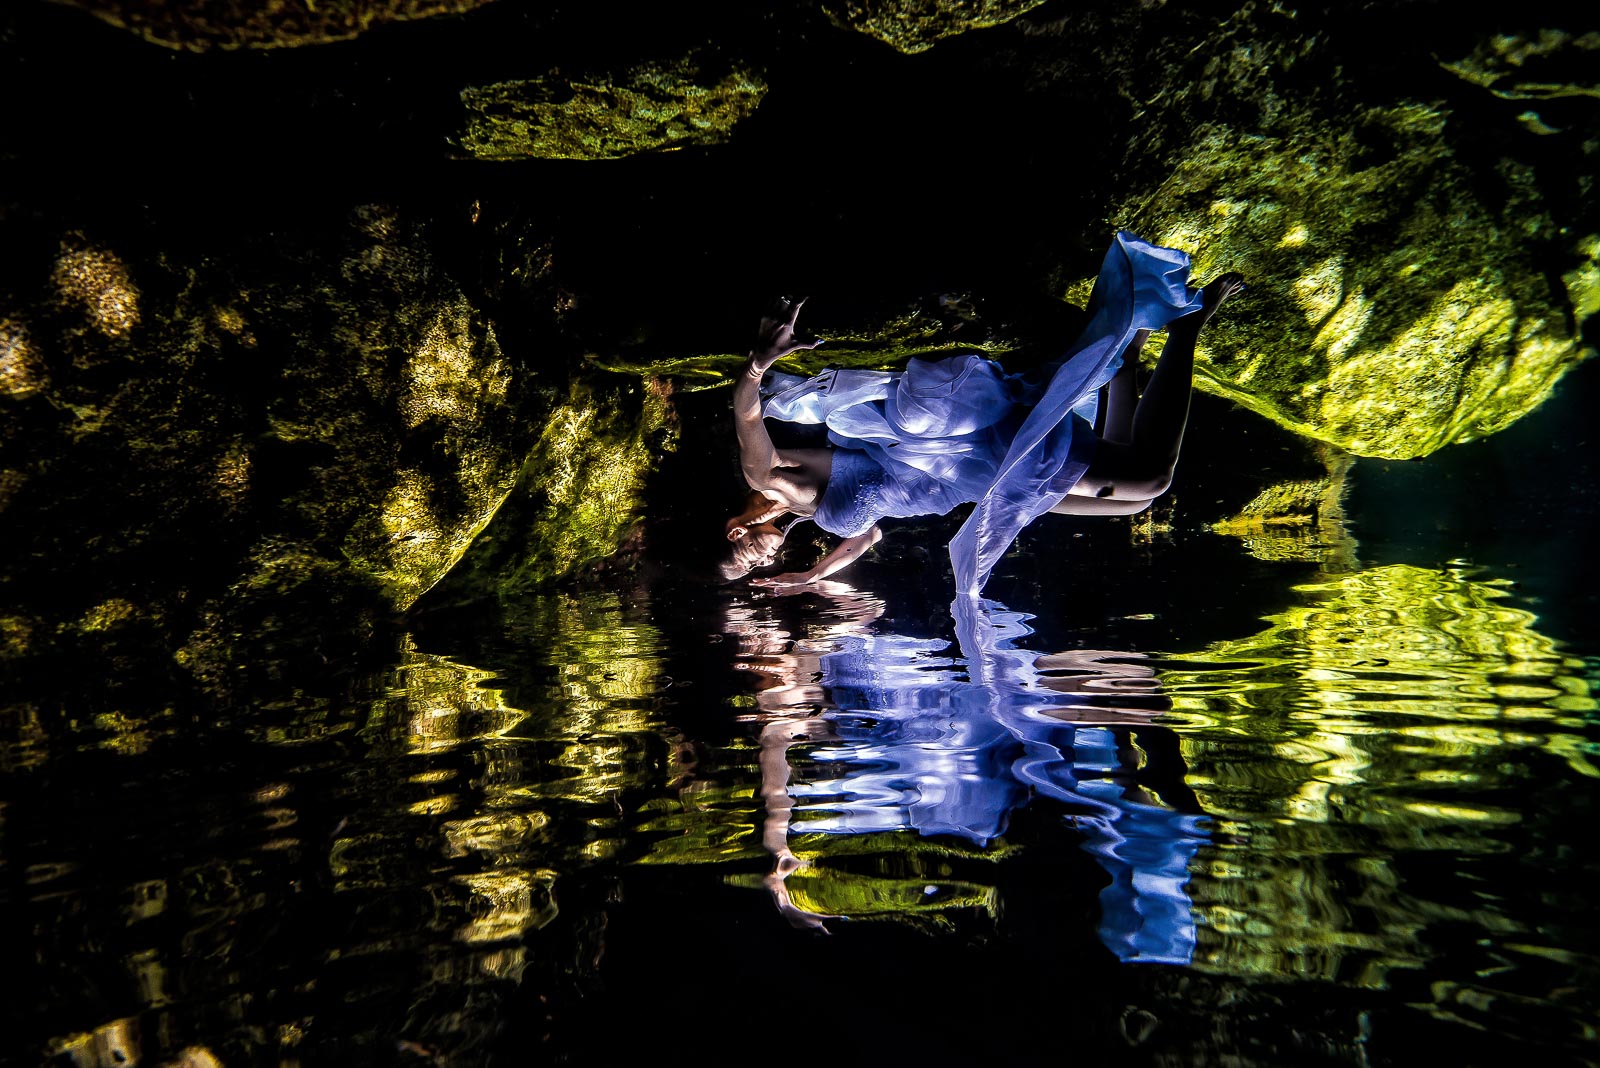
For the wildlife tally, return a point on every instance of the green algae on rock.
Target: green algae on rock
(1544, 65)
(649, 108)
(232, 24)
(577, 500)
(1392, 310)
(323, 423)
(913, 26)
(946, 326)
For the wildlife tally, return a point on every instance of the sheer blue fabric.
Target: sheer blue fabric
(958, 430)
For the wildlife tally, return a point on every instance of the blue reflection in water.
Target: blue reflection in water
(914, 742)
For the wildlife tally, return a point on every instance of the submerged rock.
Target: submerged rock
(578, 497)
(312, 430)
(943, 325)
(231, 24)
(913, 26)
(1543, 65)
(1393, 309)
(650, 107)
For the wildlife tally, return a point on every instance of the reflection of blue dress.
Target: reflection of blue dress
(948, 432)
(923, 745)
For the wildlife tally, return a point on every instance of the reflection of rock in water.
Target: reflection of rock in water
(516, 798)
(1351, 742)
(1300, 521)
(393, 868)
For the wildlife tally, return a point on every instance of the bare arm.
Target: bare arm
(757, 456)
(776, 339)
(842, 556)
(776, 739)
(759, 509)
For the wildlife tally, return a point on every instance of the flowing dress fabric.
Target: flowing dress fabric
(951, 431)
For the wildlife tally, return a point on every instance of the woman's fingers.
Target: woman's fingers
(794, 309)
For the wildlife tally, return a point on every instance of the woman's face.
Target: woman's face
(757, 546)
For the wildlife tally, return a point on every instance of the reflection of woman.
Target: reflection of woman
(901, 736)
(948, 432)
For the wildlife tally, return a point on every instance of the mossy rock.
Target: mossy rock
(913, 26)
(943, 325)
(203, 437)
(1546, 64)
(647, 108)
(233, 24)
(1393, 310)
(578, 498)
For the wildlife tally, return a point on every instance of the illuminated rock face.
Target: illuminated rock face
(324, 423)
(577, 501)
(1406, 260)
(230, 24)
(913, 26)
(652, 107)
(1393, 310)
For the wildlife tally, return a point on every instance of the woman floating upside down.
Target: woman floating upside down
(960, 430)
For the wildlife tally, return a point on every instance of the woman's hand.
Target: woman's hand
(776, 337)
(788, 578)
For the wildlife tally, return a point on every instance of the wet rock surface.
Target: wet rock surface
(227, 24)
(199, 440)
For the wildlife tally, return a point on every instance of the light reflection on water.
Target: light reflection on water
(1378, 791)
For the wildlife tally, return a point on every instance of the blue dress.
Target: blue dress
(960, 430)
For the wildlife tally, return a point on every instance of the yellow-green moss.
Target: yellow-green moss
(913, 26)
(230, 24)
(578, 498)
(1532, 66)
(649, 108)
(455, 379)
(1391, 311)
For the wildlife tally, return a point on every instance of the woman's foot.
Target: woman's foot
(1212, 295)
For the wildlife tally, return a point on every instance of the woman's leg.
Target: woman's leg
(1120, 396)
(1140, 469)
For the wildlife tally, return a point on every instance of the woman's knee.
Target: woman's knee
(1135, 487)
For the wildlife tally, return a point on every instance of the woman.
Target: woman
(953, 431)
